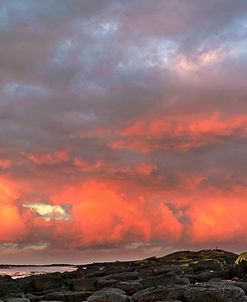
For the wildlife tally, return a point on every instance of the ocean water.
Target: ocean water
(25, 271)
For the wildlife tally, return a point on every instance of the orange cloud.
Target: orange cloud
(217, 216)
(137, 144)
(8, 189)
(110, 213)
(144, 169)
(48, 158)
(103, 214)
(5, 163)
(180, 133)
(214, 124)
(12, 225)
(202, 60)
(85, 166)
(117, 213)
(177, 133)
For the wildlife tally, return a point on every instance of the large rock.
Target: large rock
(207, 275)
(158, 269)
(104, 282)
(50, 301)
(67, 296)
(124, 276)
(208, 264)
(77, 296)
(17, 300)
(55, 296)
(83, 284)
(46, 282)
(32, 297)
(218, 292)
(159, 293)
(163, 269)
(129, 287)
(165, 279)
(115, 268)
(9, 288)
(25, 284)
(107, 269)
(109, 295)
(242, 285)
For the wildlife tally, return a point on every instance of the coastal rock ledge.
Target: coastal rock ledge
(203, 276)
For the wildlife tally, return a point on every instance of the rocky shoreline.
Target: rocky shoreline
(204, 276)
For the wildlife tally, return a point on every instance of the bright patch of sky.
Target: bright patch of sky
(161, 51)
(103, 29)
(23, 90)
(96, 28)
(47, 211)
(152, 52)
(62, 51)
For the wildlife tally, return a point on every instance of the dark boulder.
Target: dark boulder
(109, 295)
(17, 300)
(32, 297)
(165, 279)
(129, 287)
(124, 276)
(214, 292)
(159, 293)
(77, 296)
(55, 296)
(9, 288)
(242, 285)
(208, 264)
(47, 282)
(104, 282)
(83, 284)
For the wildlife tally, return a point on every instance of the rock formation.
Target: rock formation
(204, 276)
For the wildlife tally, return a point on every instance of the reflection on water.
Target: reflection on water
(24, 271)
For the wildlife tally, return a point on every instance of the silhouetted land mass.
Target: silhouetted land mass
(34, 265)
(186, 276)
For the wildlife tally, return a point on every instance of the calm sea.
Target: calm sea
(24, 271)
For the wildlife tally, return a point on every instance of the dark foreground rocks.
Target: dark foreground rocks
(204, 276)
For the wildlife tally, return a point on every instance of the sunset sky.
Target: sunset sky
(123, 128)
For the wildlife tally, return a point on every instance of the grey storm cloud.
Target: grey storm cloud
(75, 67)
(122, 90)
